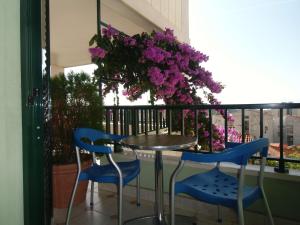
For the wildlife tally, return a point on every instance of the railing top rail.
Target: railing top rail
(206, 106)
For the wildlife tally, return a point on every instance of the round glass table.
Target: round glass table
(157, 143)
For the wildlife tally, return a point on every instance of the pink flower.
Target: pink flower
(97, 52)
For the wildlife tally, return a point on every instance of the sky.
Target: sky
(253, 48)
(253, 45)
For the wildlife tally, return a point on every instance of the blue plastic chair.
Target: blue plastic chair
(218, 188)
(117, 173)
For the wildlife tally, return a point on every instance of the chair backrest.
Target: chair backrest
(238, 154)
(93, 135)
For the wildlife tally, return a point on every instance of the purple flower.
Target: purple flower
(154, 54)
(97, 52)
(155, 75)
(129, 41)
(109, 32)
(166, 35)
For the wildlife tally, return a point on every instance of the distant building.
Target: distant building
(271, 128)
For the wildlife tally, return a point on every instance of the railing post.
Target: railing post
(281, 164)
(261, 123)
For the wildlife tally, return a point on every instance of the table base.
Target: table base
(153, 220)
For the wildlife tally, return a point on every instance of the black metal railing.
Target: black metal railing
(134, 120)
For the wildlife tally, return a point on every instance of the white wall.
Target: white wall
(11, 185)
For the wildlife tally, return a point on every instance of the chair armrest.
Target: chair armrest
(207, 157)
(116, 137)
(239, 154)
(92, 148)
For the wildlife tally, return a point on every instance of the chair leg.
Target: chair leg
(71, 201)
(172, 192)
(240, 213)
(92, 195)
(138, 191)
(219, 214)
(267, 207)
(172, 206)
(120, 204)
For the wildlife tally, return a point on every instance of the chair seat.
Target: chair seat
(108, 174)
(217, 188)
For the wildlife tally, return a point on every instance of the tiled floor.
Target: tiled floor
(105, 212)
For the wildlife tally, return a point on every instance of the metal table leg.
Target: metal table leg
(159, 189)
(159, 217)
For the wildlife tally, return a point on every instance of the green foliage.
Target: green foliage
(75, 102)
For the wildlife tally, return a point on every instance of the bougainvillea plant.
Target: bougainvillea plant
(157, 63)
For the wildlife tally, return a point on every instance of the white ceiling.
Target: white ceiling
(73, 23)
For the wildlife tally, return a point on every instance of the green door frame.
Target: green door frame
(32, 112)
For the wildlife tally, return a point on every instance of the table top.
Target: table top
(159, 142)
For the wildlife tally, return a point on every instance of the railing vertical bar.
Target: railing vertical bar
(137, 116)
(154, 119)
(107, 120)
(146, 121)
(169, 121)
(196, 121)
(164, 119)
(150, 120)
(157, 121)
(142, 121)
(261, 123)
(127, 112)
(226, 125)
(115, 121)
(160, 119)
(122, 121)
(210, 131)
(133, 122)
(182, 121)
(243, 125)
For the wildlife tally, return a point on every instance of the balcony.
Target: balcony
(282, 177)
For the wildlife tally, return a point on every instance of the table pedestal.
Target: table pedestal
(159, 218)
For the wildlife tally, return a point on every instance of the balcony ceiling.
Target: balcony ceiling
(73, 23)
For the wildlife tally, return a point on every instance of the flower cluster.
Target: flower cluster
(155, 62)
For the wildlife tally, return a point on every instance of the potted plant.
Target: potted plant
(75, 102)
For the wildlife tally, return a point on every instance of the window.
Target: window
(290, 140)
(289, 112)
(247, 126)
